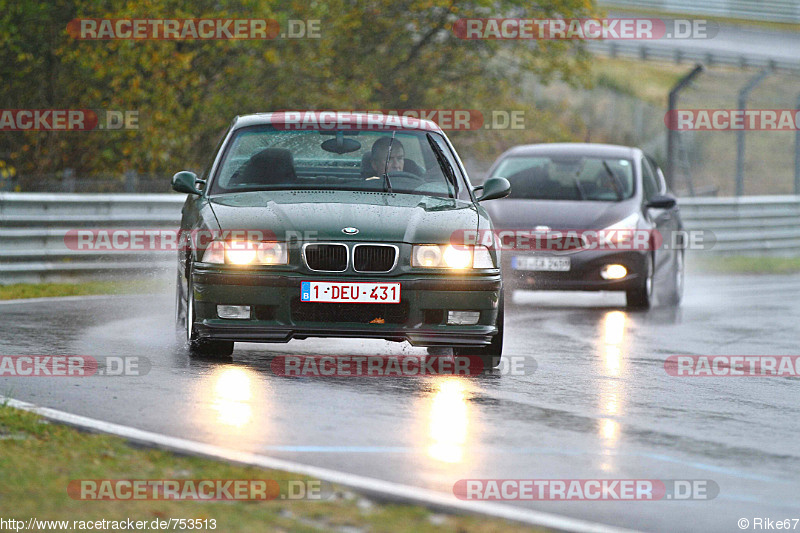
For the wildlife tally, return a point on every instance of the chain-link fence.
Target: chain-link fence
(67, 182)
(705, 162)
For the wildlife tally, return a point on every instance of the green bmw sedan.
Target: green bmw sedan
(330, 224)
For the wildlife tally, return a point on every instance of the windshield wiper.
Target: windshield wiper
(581, 194)
(387, 185)
(450, 175)
(614, 180)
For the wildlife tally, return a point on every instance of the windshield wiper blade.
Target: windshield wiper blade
(387, 185)
(581, 194)
(614, 180)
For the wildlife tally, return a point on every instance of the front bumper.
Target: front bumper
(278, 315)
(584, 273)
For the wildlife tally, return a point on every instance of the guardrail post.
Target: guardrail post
(68, 180)
(742, 104)
(131, 181)
(672, 102)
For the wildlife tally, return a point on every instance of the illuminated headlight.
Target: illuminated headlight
(613, 272)
(448, 256)
(246, 253)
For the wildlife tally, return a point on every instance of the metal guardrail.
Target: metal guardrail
(33, 227)
(747, 225)
(688, 55)
(767, 10)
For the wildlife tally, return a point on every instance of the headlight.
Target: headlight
(246, 253)
(460, 257)
(448, 256)
(240, 252)
(272, 253)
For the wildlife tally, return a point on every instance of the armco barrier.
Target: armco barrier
(768, 10)
(33, 226)
(32, 229)
(747, 225)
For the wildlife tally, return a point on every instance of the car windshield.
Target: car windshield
(265, 158)
(568, 178)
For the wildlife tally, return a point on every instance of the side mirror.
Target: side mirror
(495, 188)
(185, 181)
(662, 201)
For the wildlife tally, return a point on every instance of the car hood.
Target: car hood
(558, 214)
(322, 215)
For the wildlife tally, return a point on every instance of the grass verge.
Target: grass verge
(38, 459)
(47, 290)
(746, 265)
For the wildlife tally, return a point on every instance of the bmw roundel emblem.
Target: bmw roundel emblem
(350, 230)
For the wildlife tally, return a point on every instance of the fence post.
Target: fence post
(68, 180)
(742, 104)
(131, 181)
(672, 102)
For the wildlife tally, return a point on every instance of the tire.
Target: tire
(492, 354)
(180, 312)
(195, 346)
(642, 296)
(674, 292)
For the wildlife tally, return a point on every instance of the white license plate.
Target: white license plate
(542, 264)
(354, 292)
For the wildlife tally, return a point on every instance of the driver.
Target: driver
(375, 161)
(397, 158)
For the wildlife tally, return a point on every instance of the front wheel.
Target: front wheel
(642, 296)
(674, 291)
(200, 347)
(492, 354)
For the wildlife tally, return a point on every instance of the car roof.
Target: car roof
(330, 119)
(612, 151)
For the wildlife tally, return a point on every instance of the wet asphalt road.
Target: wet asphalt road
(599, 405)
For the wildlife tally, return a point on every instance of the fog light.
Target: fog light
(463, 318)
(613, 272)
(238, 312)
